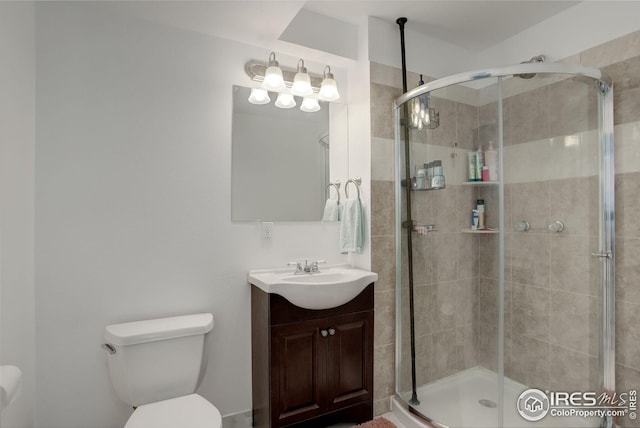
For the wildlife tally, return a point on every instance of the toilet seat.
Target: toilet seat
(190, 411)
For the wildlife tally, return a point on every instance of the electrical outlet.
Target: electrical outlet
(267, 229)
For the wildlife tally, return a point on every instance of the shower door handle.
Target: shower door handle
(605, 255)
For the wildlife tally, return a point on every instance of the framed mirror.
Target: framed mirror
(283, 160)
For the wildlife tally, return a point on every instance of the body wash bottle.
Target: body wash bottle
(491, 159)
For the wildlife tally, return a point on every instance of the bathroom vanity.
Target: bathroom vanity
(311, 367)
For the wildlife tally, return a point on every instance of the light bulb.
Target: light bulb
(285, 100)
(310, 105)
(301, 82)
(273, 80)
(329, 87)
(259, 96)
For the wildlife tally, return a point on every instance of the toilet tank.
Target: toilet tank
(157, 359)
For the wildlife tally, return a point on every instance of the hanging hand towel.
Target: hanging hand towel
(331, 211)
(352, 227)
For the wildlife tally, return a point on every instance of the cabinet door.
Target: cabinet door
(350, 359)
(298, 370)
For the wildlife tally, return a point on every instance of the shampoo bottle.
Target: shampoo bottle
(491, 160)
(479, 163)
(472, 160)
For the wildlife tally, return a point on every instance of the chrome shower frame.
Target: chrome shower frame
(605, 251)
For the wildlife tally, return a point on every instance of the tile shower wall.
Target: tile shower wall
(550, 301)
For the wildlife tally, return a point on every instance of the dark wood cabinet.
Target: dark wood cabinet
(311, 367)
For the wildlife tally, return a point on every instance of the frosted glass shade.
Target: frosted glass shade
(329, 90)
(273, 80)
(259, 96)
(310, 105)
(285, 101)
(301, 85)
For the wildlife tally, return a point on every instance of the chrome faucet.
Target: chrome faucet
(306, 267)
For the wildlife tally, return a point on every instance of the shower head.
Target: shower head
(535, 59)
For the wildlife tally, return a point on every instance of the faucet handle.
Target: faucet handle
(298, 265)
(314, 265)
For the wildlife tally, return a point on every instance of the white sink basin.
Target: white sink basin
(331, 287)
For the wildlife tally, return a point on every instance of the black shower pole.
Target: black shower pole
(409, 222)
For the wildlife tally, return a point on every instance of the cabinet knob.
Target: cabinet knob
(332, 331)
(324, 333)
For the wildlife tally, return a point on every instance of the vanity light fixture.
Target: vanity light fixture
(329, 87)
(310, 105)
(301, 82)
(289, 82)
(273, 80)
(259, 96)
(285, 100)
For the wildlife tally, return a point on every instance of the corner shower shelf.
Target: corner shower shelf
(479, 183)
(480, 230)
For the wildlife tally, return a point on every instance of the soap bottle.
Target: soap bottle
(491, 160)
(471, 162)
(481, 218)
(479, 163)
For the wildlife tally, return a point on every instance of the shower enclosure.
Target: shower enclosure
(527, 302)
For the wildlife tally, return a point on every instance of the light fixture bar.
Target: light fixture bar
(256, 70)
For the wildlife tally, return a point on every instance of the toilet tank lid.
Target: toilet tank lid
(132, 333)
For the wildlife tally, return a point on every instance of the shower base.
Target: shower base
(454, 402)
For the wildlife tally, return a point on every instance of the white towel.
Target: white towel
(331, 211)
(352, 227)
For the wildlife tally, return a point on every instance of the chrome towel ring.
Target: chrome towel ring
(357, 182)
(335, 185)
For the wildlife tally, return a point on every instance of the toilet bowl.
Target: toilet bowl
(156, 366)
(190, 411)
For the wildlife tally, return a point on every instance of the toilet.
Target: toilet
(156, 366)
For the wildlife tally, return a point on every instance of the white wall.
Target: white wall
(17, 104)
(133, 143)
(587, 24)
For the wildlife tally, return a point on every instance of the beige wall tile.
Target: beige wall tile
(575, 322)
(620, 49)
(573, 371)
(628, 334)
(447, 354)
(530, 314)
(383, 373)
(444, 134)
(531, 202)
(573, 268)
(530, 361)
(626, 107)
(385, 315)
(383, 261)
(487, 351)
(530, 115)
(385, 74)
(467, 126)
(628, 270)
(422, 307)
(628, 205)
(467, 256)
(382, 97)
(443, 308)
(530, 259)
(572, 107)
(443, 252)
(575, 202)
(382, 208)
